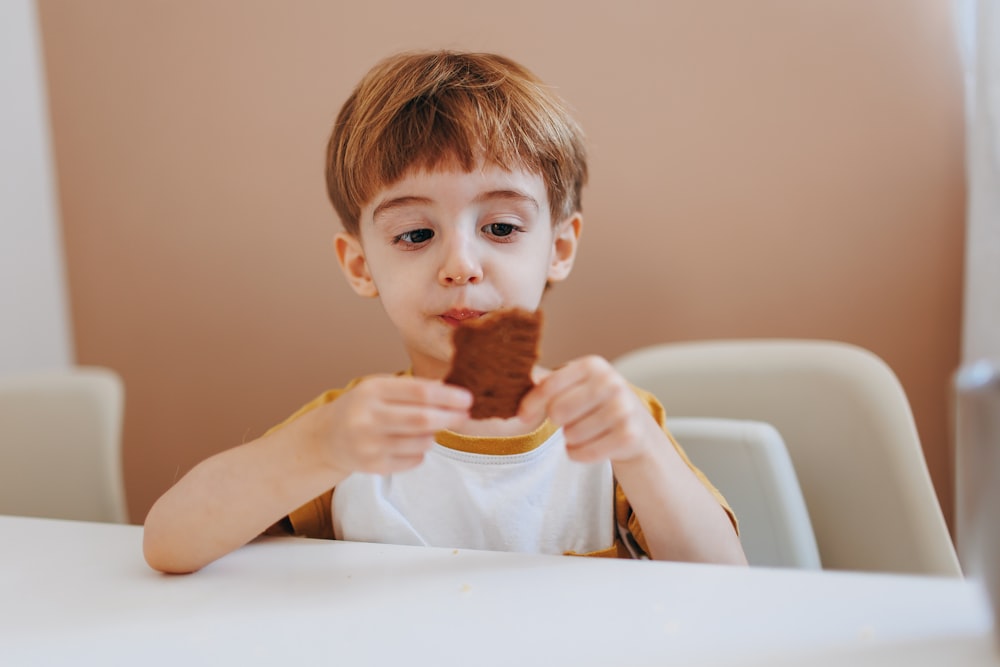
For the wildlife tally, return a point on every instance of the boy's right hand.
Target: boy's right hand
(386, 424)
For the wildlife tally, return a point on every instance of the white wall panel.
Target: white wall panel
(34, 317)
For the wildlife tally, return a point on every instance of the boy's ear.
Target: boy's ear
(351, 257)
(564, 245)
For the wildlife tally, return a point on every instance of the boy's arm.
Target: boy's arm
(681, 520)
(232, 497)
(604, 419)
(382, 425)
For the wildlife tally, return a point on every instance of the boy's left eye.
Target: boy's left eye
(414, 237)
(500, 229)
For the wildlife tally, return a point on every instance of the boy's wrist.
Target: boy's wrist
(313, 441)
(655, 460)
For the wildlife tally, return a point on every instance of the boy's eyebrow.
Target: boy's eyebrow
(398, 202)
(514, 195)
(411, 200)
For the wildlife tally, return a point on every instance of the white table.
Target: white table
(78, 593)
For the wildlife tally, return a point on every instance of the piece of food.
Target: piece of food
(494, 355)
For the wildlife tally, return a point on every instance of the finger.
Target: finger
(617, 431)
(580, 402)
(408, 446)
(415, 420)
(598, 449)
(421, 391)
(537, 402)
(392, 453)
(587, 426)
(533, 405)
(615, 442)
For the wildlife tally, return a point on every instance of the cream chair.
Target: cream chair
(749, 463)
(60, 445)
(849, 430)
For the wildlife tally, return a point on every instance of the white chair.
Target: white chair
(60, 445)
(748, 462)
(848, 428)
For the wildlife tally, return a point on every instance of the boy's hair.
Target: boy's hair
(422, 110)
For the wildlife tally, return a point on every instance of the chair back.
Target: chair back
(60, 445)
(748, 462)
(849, 430)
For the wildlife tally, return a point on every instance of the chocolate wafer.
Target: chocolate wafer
(494, 355)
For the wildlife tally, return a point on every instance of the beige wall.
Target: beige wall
(774, 168)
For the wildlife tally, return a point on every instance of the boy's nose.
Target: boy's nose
(460, 266)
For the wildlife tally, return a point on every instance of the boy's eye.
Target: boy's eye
(415, 237)
(500, 228)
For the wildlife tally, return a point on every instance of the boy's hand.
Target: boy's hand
(602, 418)
(386, 424)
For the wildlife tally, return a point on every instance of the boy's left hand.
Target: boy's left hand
(602, 418)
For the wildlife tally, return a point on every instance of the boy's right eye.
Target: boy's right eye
(415, 237)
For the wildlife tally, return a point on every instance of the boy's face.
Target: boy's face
(441, 246)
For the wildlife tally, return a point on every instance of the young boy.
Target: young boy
(457, 177)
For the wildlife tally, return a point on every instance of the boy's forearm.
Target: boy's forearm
(681, 520)
(229, 499)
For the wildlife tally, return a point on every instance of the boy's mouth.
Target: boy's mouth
(456, 316)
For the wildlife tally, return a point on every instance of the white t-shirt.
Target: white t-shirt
(536, 501)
